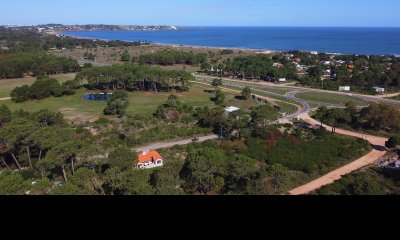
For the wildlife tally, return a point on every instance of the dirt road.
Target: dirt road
(173, 143)
(370, 158)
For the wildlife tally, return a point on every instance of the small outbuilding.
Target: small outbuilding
(344, 88)
(379, 89)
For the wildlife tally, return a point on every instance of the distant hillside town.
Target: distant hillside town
(56, 28)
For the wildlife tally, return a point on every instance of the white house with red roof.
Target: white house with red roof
(150, 159)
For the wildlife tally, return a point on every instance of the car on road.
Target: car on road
(195, 140)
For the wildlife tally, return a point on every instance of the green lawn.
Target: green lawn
(286, 105)
(76, 109)
(330, 98)
(276, 89)
(147, 103)
(7, 85)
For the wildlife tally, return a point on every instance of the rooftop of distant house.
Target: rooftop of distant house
(231, 109)
(149, 156)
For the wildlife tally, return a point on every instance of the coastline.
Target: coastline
(255, 50)
(259, 51)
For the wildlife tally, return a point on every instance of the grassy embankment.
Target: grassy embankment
(330, 98)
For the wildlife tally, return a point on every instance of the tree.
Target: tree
(5, 115)
(173, 101)
(69, 87)
(351, 109)
(122, 158)
(126, 57)
(47, 118)
(205, 66)
(363, 185)
(21, 94)
(88, 181)
(206, 169)
(87, 65)
(91, 57)
(167, 179)
(393, 142)
(42, 88)
(241, 172)
(62, 157)
(246, 93)
(315, 72)
(41, 187)
(14, 140)
(380, 116)
(12, 184)
(117, 104)
(217, 119)
(216, 83)
(132, 77)
(219, 98)
(45, 87)
(133, 182)
(280, 176)
(68, 189)
(262, 114)
(237, 121)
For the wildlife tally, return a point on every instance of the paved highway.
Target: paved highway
(296, 90)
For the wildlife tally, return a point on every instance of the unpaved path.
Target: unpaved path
(370, 158)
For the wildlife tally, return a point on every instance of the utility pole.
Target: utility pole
(322, 84)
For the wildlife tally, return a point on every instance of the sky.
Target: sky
(365, 13)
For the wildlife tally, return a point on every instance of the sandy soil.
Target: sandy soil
(388, 95)
(113, 54)
(331, 177)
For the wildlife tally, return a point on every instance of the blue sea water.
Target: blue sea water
(371, 41)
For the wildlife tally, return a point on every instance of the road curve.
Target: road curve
(370, 158)
(377, 142)
(367, 98)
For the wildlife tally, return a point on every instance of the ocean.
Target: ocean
(369, 41)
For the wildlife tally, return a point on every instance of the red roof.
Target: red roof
(150, 156)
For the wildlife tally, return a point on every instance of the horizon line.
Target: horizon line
(144, 25)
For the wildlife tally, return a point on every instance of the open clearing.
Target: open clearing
(330, 98)
(7, 85)
(286, 106)
(76, 109)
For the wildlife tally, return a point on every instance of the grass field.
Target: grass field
(330, 98)
(285, 105)
(260, 87)
(7, 85)
(76, 109)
